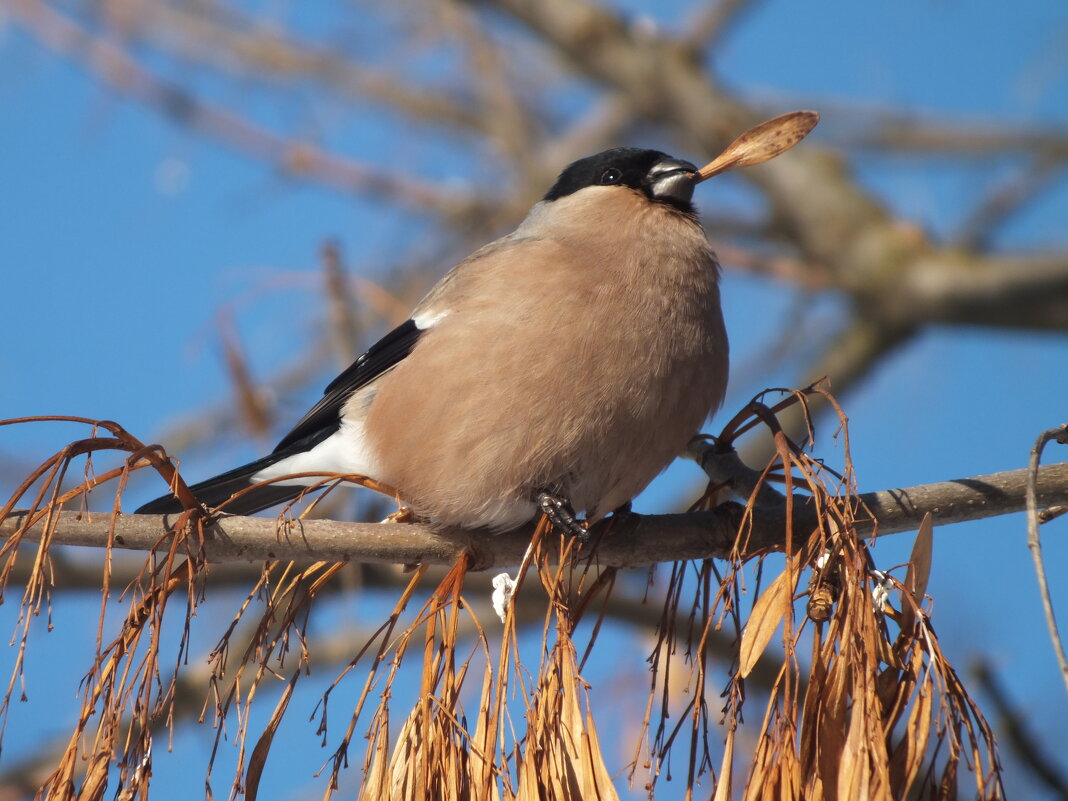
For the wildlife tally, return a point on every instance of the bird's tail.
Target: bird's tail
(214, 491)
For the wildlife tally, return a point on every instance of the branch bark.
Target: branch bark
(637, 540)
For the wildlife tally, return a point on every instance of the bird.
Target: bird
(558, 369)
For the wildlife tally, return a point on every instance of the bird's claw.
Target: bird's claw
(562, 516)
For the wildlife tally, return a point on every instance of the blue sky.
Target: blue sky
(122, 235)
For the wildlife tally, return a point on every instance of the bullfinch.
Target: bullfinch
(558, 369)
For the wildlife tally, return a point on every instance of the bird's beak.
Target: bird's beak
(673, 179)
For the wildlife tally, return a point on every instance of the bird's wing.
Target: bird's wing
(375, 361)
(313, 432)
(389, 350)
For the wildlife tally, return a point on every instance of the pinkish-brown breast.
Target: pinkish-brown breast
(581, 358)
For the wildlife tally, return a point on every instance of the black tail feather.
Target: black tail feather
(214, 491)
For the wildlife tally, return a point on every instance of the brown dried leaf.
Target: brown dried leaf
(811, 708)
(919, 571)
(758, 785)
(576, 737)
(894, 688)
(830, 734)
(790, 773)
(258, 760)
(908, 756)
(723, 785)
(854, 770)
(374, 782)
(761, 143)
(599, 771)
(483, 745)
(768, 611)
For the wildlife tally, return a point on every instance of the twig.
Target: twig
(1027, 748)
(728, 468)
(878, 127)
(510, 125)
(1009, 198)
(344, 329)
(602, 126)
(1052, 513)
(713, 21)
(1012, 291)
(293, 157)
(1060, 434)
(251, 405)
(847, 359)
(240, 43)
(641, 540)
(806, 276)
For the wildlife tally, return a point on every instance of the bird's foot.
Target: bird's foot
(561, 514)
(403, 515)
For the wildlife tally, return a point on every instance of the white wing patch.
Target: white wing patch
(426, 319)
(345, 451)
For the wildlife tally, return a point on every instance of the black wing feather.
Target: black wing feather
(384, 354)
(318, 424)
(217, 489)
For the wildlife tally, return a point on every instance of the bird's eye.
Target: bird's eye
(612, 175)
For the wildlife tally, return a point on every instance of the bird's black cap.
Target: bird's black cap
(659, 176)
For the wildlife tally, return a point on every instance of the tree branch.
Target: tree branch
(113, 67)
(712, 21)
(637, 540)
(232, 41)
(875, 127)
